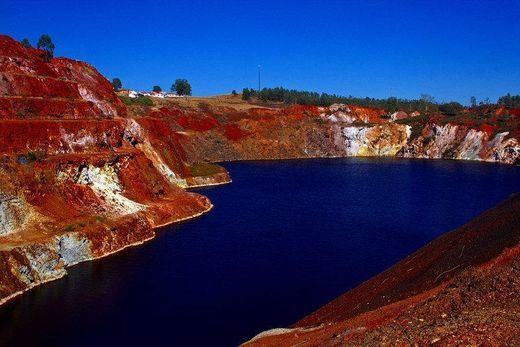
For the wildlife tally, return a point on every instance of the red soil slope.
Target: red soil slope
(462, 288)
(79, 179)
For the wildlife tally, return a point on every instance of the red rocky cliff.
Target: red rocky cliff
(79, 179)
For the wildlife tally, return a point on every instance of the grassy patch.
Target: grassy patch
(141, 100)
(204, 169)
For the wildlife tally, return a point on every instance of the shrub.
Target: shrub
(126, 100)
(451, 108)
(141, 100)
(26, 43)
(246, 95)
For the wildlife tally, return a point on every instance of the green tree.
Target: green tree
(26, 43)
(157, 89)
(116, 84)
(246, 94)
(426, 102)
(509, 100)
(234, 93)
(473, 101)
(451, 108)
(392, 104)
(45, 44)
(181, 87)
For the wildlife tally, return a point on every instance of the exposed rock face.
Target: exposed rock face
(458, 142)
(79, 178)
(380, 140)
(338, 131)
(14, 213)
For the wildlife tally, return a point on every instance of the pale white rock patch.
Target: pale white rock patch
(14, 213)
(104, 181)
(105, 107)
(74, 248)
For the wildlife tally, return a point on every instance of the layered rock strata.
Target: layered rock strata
(79, 178)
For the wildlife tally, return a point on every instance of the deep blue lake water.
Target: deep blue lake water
(283, 239)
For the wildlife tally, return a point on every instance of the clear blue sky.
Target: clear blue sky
(449, 49)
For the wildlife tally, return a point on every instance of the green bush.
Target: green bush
(141, 100)
(451, 108)
(126, 100)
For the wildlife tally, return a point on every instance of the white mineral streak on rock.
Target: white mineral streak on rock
(456, 142)
(14, 213)
(355, 138)
(339, 113)
(472, 145)
(105, 182)
(44, 263)
(398, 115)
(76, 141)
(443, 138)
(74, 248)
(505, 150)
(380, 140)
(102, 105)
(134, 131)
(339, 107)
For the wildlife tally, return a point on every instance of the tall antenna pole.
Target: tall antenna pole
(259, 80)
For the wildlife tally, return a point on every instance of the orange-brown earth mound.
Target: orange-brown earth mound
(461, 289)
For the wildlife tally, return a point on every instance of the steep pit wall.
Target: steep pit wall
(69, 208)
(463, 143)
(79, 178)
(338, 131)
